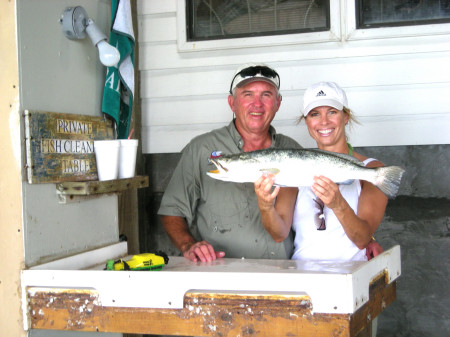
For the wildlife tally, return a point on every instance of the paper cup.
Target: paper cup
(107, 158)
(127, 161)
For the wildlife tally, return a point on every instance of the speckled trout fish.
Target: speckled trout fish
(297, 168)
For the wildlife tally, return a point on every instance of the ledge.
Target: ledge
(100, 187)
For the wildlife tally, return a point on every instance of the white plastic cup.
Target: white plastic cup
(107, 158)
(127, 158)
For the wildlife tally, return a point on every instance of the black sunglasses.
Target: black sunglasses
(255, 70)
(319, 217)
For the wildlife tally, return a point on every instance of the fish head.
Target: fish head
(238, 168)
(222, 171)
(234, 168)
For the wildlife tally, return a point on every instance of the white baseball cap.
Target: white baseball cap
(251, 72)
(324, 94)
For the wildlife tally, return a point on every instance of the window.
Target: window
(226, 24)
(222, 19)
(391, 13)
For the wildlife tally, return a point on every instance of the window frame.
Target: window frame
(352, 33)
(342, 28)
(257, 41)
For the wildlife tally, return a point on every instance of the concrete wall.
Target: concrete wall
(418, 220)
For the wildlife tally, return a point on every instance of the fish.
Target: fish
(297, 168)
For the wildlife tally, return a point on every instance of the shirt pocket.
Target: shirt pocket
(225, 218)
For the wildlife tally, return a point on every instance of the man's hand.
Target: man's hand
(373, 249)
(178, 231)
(202, 251)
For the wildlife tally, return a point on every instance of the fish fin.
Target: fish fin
(388, 180)
(273, 171)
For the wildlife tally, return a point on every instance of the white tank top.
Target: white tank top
(331, 243)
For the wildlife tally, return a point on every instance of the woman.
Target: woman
(331, 222)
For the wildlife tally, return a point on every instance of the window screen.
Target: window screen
(222, 19)
(385, 13)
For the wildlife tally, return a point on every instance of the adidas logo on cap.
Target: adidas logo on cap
(323, 94)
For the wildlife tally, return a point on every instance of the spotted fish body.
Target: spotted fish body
(297, 167)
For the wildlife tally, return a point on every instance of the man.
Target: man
(225, 214)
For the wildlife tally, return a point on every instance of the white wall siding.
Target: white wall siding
(399, 87)
(156, 6)
(158, 28)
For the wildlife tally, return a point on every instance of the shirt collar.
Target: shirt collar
(238, 139)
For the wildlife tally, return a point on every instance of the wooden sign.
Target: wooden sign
(60, 146)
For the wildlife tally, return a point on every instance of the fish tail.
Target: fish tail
(388, 180)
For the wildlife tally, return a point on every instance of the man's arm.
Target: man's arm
(178, 231)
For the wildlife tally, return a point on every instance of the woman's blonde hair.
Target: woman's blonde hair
(351, 116)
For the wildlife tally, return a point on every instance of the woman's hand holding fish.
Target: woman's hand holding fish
(264, 193)
(276, 220)
(328, 192)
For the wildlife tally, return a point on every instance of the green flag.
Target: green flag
(119, 84)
